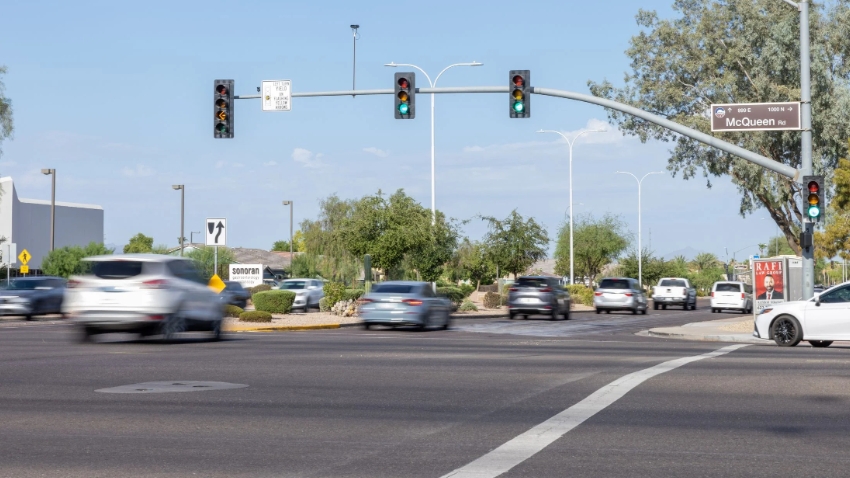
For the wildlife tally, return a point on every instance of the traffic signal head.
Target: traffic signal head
(519, 87)
(814, 195)
(405, 95)
(223, 109)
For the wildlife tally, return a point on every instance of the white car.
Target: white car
(820, 320)
(148, 294)
(308, 292)
(732, 295)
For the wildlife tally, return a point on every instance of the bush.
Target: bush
(467, 289)
(334, 292)
(255, 316)
(452, 293)
(467, 306)
(274, 301)
(492, 300)
(232, 311)
(324, 305)
(353, 294)
(444, 283)
(580, 294)
(259, 288)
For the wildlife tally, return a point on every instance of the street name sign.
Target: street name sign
(756, 116)
(277, 95)
(216, 232)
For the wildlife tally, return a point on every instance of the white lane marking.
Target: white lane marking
(524, 446)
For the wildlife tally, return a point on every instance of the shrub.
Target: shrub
(580, 294)
(452, 293)
(274, 301)
(467, 306)
(255, 316)
(324, 305)
(353, 294)
(492, 300)
(467, 289)
(259, 288)
(444, 283)
(334, 292)
(232, 311)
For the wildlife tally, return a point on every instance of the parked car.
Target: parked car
(674, 291)
(308, 292)
(620, 293)
(820, 320)
(32, 296)
(396, 303)
(732, 295)
(531, 295)
(235, 294)
(148, 294)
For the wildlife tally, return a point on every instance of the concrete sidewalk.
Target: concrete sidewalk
(724, 330)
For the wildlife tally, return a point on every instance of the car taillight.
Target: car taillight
(548, 289)
(597, 294)
(629, 294)
(743, 296)
(413, 302)
(365, 301)
(712, 294)
(156, 317)
(513, 289)
(155, 284)
(73, 284)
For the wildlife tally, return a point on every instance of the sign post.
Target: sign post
(277, 95)
(756, 116)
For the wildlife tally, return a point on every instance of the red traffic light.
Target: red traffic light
(518, 81)
(403, 83)
(814, 187)
(221, 89)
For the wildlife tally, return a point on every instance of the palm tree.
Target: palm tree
(705, 260)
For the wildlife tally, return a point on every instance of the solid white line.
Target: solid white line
(524, 446)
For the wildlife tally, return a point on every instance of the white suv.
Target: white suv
(732, 295)
(148, 294)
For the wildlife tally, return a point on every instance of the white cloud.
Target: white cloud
(377, 152)
(238, 165)
(473, 149)
(220, 164)
(139, 171)
(307, 158)
(270, 163)
(7, 164)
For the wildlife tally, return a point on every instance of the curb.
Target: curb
(289, 328)
(738, 338)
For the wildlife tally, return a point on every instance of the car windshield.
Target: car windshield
(26, 284)
(232, 286)
(728, 288)
(672, 283)
(392, 289)
(293, 285)
(614, 284)
(116, 269)
(531, 282)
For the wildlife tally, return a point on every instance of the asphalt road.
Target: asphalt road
(395, 403)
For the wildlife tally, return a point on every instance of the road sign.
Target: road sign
(216, 232)
(277, 95)
(756, 116)
(25, 269)
(10, 253)
(24, 256)
(216, 284)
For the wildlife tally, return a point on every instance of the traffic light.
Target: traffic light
(520, 93)
(814, 194)
(405, 95)
(223, 109)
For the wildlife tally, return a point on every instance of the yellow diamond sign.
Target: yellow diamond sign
(216, 284)
(24, 256)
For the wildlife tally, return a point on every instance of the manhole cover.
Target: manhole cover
(169, 387)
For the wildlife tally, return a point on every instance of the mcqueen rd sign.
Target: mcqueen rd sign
(756, 116)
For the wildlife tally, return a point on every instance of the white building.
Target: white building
(26, 222)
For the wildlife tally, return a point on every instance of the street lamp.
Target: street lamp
(433, 85)
(289, 203)
(571, 143)
(640, 251)
(182, 189)
(52, 173)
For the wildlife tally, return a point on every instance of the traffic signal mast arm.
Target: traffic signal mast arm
(730, 148)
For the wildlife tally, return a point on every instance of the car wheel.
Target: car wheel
(567, 314)
(634, 311)
(366, 325)
(448, 323)
(663, 306)
(598, 311)
(216, 329)
(524, 316)
(511, 315)
(655, 306)
(786, 331)
(643, 312)
(173, 325)
(84, 335)
(607, 311)
(820, 343)
(554, 314)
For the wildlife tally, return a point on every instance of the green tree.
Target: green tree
(704, 261)
(432, 254)
(139, 243)
(204, 258)
(6, 123)
(834, 240)
(469, 262)
(280, 246)
(67, 261)
(160, 249)
(598, 242)
(739, 51)
(514, 244)
(654, 268)
(322, 238)
(305, 265)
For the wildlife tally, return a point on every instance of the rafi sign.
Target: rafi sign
(248, 275)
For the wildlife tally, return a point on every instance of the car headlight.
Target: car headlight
(765, 311)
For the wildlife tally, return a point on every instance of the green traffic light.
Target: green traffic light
(518, 107)
(221, 127)
(814, 211)
(403, 108)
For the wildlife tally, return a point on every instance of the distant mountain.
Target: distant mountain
(688, 252)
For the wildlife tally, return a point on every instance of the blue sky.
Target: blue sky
(117, 97)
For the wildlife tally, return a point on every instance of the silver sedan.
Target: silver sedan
(398, 303)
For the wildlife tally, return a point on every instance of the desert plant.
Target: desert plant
(334, 292)
(232, 311)
(353, 294)
(255, 316)
(274, 301)
(467, 289)
(467, 306)
(492, 300)
(452, 293)
(259, 288)
(324, 305)
(580, 294)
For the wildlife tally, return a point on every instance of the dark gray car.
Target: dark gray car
(535, 295)
(397, 303)
(619, 293)
(235, 294)
(32, 296)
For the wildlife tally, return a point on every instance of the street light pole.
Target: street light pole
(640, 251)
(182, 189)
(571, 143)
(52, 174)
(433, 85)
(289, 203)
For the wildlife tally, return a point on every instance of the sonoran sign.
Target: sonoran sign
(756, 117)
(248, 275)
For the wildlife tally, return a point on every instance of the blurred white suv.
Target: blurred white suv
(148, 294)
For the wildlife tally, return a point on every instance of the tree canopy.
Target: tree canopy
(68, 261)
(514, 243)
(598, 242)
(739, 51)
(6, 123)
(139, 243)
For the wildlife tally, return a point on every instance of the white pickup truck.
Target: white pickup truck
(674, 291)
